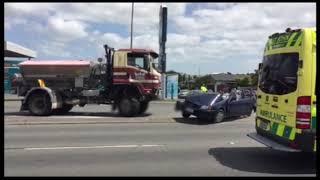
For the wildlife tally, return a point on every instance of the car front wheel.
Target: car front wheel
(185, 114)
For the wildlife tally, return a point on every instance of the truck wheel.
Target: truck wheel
(135, 105)
(143, 107)
(64, 109)
(219, 116)
(39, 104)
(129, 107)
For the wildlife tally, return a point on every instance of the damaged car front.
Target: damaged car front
(203, 106)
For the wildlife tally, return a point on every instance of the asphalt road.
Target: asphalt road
(108, 145)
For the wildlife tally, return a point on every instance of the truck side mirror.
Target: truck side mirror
(100, 60)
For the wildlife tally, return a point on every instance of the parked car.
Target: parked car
(215, 107)
(183, 93)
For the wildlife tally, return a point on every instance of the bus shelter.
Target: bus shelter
(13, 55)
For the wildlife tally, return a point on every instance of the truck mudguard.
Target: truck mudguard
(55, 98)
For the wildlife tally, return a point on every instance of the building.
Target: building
(226, 81)
(13, 55)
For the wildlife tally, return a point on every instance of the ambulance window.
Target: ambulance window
(279, 73)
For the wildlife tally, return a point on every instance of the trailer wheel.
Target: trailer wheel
(143, 107)
(39, 104)
(64, 109)
(129, 107)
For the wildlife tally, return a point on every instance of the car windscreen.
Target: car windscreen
(279, 73)
(202, 99)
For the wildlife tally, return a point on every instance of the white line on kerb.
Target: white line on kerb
(93, 147)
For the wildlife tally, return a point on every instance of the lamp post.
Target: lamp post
(131, 25)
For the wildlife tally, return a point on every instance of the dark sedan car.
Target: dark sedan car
(215, 106)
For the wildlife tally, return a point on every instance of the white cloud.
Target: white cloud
(66, 30)
(40, 10)
(146, 41)
(220, 6)
(53, 49)
(213, 32)
(14, 21)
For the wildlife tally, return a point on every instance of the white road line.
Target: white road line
(76, 117)
(58, 117)
(92, 147)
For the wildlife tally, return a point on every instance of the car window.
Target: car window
(225, 96)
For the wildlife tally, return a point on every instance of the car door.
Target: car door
(244, 106)
(233, 106)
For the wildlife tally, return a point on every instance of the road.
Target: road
(160, 143)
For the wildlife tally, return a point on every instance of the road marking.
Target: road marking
(92, 147)
(57, 117)
(76, 117)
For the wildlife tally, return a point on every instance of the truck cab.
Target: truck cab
(136, 66)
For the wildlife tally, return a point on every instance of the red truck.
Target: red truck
(127, 79)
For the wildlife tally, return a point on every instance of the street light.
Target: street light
(131, 25)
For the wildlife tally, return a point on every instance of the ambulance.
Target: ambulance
(286, 95)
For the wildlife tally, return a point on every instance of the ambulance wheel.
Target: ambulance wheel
(40, 104)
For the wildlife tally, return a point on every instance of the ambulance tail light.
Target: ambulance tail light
(303, 114)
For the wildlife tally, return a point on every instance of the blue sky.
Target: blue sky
(210, 37)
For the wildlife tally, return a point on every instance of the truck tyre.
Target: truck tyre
(129, 107)
(219, 116)
(40, 104)
(64, 109)
(143, 107)
(135, 106)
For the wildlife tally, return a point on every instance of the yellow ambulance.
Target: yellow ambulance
(286, 95)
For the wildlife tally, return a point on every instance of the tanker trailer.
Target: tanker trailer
(56, 86)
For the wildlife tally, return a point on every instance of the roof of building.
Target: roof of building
(227, 76)
(17, 51)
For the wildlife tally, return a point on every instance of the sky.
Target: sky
(202, 38)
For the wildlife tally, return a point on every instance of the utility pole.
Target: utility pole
(162, 47)
(131, 25)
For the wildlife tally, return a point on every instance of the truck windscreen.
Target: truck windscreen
(279, 73)
(138, 60)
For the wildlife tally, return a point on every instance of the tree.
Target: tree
(254, 78)
(243, 82)
(207, 80)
